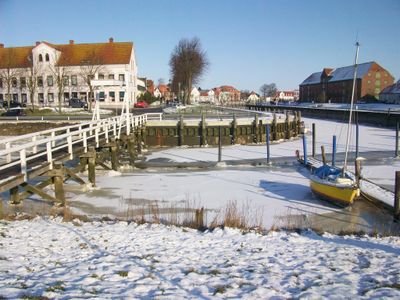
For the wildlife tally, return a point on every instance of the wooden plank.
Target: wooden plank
(41, 185)
(35, 190)
(11, 182)
(103, 165)
(75, 177)
(38, 171)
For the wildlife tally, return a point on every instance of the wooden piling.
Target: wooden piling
(219, 144)
(267, 142)
(234, 129)
(313, 140)
(397, 140)
(255, 129)
(92, 165)
(203, 130)
(14, 195)
(323, 154)
(181, 131)
(397, 196)
(58, 181)
(114, 156)
(357, 168)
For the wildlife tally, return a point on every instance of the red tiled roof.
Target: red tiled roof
(15, 57)
(74, 54)
(163, 88)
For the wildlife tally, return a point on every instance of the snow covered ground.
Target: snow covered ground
(49, 258)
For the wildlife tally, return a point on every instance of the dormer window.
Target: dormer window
(47, 57)
(40, 57)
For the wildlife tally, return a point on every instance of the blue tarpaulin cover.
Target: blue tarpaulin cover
(327, 172)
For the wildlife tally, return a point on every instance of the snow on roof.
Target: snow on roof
(392, 89)
(347, 73)
(313, 78)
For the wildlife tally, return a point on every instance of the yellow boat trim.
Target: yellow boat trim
(344, 194)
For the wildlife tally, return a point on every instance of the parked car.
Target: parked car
(77, 103)
(141, 104)
(14, 112)
(13, 104)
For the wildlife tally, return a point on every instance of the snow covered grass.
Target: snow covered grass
(48, 258)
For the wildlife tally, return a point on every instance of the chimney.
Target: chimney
(71, 42)
(37, 43)
(110, 40)
(1, 45)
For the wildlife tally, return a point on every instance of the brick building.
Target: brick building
(336, 85)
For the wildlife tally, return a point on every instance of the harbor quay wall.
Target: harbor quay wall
(387, 118)
(170, 133)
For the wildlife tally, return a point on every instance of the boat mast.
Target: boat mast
(351, 109)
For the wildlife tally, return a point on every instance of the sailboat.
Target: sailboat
(332, 183)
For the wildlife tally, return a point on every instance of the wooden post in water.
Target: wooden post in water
(323, 154)
(305, 149)
(397, 196)
(357, 168)
(357, 137)
(14, 195)
(234, 130)
(313, 140)
(255, 129)
(267, 142)
(397, 139)
(219, 144)
(114, 155)
(203, 130)
(181, 131)
(333, 150)
(58, 181)
(92, 165)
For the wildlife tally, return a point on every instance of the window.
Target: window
(66, 96)
(121, 77)
(101, 96)
(40, 81)
(74, 80)
(24, 98)
(377, 75)
(41, 97)
(110, 76)
(1, 83)
(23, 81)
(112, 96)
(40, 57)
(101, 76)
(14, 82)
(15, 97)
(121, 96)
(50, 80)
(74, 95)
(50, 97)
(377, 82)
(47, 57)
(1, 97)
(66, 80)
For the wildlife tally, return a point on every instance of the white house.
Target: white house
(207, 96)
(253, 97)
(110, 67)
(157, 93)
(194, 95)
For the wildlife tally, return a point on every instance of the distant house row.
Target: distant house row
(335, 85)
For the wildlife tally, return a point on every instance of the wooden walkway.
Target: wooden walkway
(44, 154)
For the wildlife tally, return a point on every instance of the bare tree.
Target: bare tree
(91, 65)
(31, 82)
(268, 90)
(188, 62)
(9, 72)
(59, 72)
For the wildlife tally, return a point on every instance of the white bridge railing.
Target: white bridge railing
(23, 149)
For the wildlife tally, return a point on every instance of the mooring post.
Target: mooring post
(58, 181)
(203, 129)
(305, 149)
(323, 154)
(397, 140)
(92, 166)
(114, 156)
(267, 142)
(255, 137)
(357, 137)
(313, 140)
(397, 196)
(83, 163)
(357, 168)
(14, 195)
(234, 130)
(181, 131)
(287, 125)
(219, 144)
(274, 127)
(334, 151)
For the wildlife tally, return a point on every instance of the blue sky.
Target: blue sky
(248, 43)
